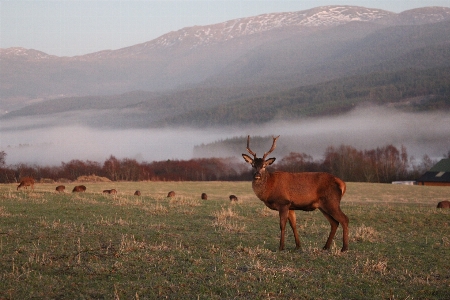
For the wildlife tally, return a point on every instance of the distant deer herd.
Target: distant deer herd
(284, 192)
(29, 182)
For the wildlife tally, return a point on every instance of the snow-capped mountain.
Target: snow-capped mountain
(22, 53)
(291, 48)
(317, 18)
(320, 17)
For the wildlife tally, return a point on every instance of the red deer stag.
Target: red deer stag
(444, 204)
(79, 189)
(286, 192)
(60, 188)
(26, 182)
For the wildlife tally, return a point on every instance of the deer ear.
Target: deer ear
(269, 161)
(247, 158)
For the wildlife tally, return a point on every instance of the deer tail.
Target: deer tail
(341, 184)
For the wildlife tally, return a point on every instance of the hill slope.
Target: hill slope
(283, 49)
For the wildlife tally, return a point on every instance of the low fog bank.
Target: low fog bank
(52, 146)
(363, 128)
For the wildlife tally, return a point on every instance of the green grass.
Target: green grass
(95, 246)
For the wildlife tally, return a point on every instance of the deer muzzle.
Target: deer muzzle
(257, 175)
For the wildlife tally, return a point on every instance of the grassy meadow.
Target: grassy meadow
(95, 246)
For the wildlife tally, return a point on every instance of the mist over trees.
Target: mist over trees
(381, 165)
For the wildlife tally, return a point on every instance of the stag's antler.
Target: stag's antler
(274, 144)
(248, 147)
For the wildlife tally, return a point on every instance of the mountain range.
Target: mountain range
(325, 60)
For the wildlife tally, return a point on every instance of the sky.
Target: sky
(77, 27)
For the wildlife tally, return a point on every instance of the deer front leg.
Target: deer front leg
(293, 223)
(284, 215)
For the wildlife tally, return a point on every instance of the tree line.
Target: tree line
(382, 165)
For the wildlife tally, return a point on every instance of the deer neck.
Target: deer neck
(259, 185)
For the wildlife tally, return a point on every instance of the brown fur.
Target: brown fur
(444, 204)
(171, 194)
(79, 189)
(113, 192)
(286, 192)
(233, 198)
(204, 196)
(26, 182)
(137, 193)
(60, 188)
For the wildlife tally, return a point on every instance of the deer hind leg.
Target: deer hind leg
(338, 217)
(293, 223)
(334, 225)
(343, 219)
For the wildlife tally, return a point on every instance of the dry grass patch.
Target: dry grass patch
(371, 267)
(375, 266)
(155, 209)
(255, 252)
(31, 197)
(82, 198)
(128, 243)
(9, 195)
(105, 221)
(3, 212)
(92, 178)
(183, 201)
(223, 220)
(125, 201)
(364, 234)
(184, 205)
(266, 212)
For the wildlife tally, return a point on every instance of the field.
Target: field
(95, 246)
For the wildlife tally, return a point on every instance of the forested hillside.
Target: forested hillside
(410, 90)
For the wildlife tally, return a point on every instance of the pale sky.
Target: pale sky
(77, 27)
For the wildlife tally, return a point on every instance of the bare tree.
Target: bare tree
(3, 158)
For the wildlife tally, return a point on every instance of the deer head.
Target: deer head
(259, 164)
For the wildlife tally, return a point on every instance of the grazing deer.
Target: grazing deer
(113, 192)
(444, 204)
(137, 193)
(171, 194)
(60, 188)
(26, 182)
(79, 189)
(233, 198)
(286, 192)
(204, 196)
